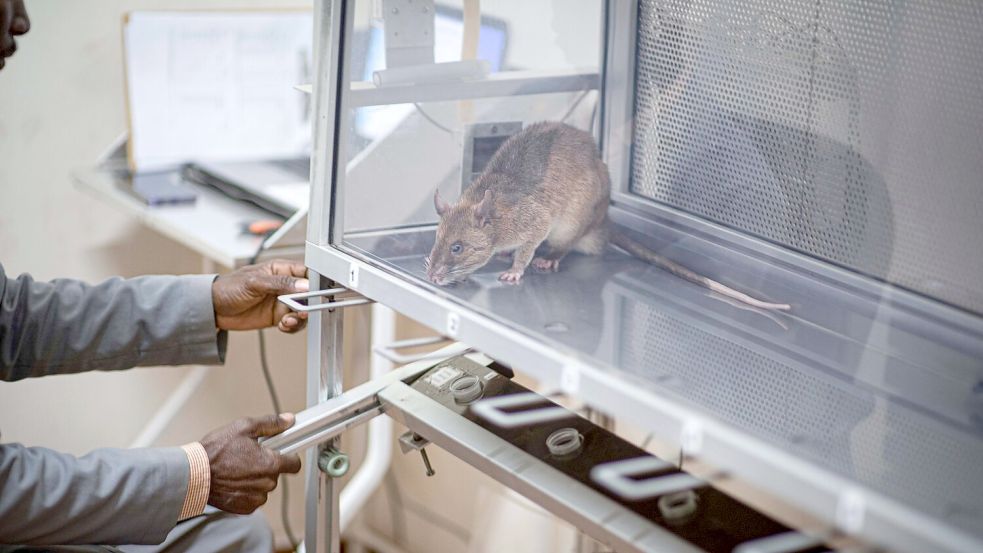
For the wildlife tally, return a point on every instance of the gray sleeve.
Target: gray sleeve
(67, 326)
(109, 497)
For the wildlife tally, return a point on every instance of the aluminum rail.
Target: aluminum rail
(353, 407)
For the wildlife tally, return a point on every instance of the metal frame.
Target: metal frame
(829, 497)
(618, 92)
(324, 335)
(858, 511)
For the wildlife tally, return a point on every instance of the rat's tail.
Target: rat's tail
(639, 250)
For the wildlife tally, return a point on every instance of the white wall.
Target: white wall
(61, 104)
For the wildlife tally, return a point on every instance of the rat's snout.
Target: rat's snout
(437, 274)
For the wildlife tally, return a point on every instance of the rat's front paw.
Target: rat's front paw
(546, 265)
(511, 276)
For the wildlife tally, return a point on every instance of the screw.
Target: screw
(426, 461)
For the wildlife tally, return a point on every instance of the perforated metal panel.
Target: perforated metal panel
(862, 435)
(851, 131)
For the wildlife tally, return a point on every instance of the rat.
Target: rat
(546, 189)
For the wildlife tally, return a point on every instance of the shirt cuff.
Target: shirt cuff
(202, 342)
(199, 481)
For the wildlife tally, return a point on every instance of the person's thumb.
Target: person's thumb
(20, 23)
(283, 284)
(301, 285)
(269, 425)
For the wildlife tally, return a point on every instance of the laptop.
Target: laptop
(278, 186)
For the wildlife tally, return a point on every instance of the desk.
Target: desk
(212, 226)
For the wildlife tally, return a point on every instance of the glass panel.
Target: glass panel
(874, 383)
(423, 114)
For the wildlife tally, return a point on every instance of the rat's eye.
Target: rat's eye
(456, 248)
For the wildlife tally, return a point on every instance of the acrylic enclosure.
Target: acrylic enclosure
(825, 156)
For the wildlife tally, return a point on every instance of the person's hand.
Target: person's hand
(244, 472)
(246, 299)
(13, 22)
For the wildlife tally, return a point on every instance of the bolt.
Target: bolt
(426, 462)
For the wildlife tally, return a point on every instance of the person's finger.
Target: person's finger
(269, 425)
(278, 284)
(290, 463)
(20, 23)
(258, 485)
(289, 321)
(240, 502)
(291, 325)
(6, 40)
(284, 267)
(280, 311)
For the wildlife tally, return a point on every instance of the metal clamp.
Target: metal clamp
(492, 410)
(616, 476)
(290, 300)
(389, 350)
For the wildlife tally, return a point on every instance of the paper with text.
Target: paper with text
(217, 86)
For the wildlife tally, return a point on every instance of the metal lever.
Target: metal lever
(389, 350)
(353, 407)
(290, 300)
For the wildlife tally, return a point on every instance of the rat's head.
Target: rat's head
(464, 239)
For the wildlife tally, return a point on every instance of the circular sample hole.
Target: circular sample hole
(565, 442)
(466, 389)
(679, 507)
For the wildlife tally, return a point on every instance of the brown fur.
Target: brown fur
(546, 186)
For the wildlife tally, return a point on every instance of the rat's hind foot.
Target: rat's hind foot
(546, 265)
(511, 276)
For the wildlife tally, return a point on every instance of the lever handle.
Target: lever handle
(290, 300)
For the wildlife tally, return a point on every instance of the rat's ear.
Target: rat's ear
(439, 204)
(485, 209)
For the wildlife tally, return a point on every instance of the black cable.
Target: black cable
(431, 119)
(266, 373)
(275, 399)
